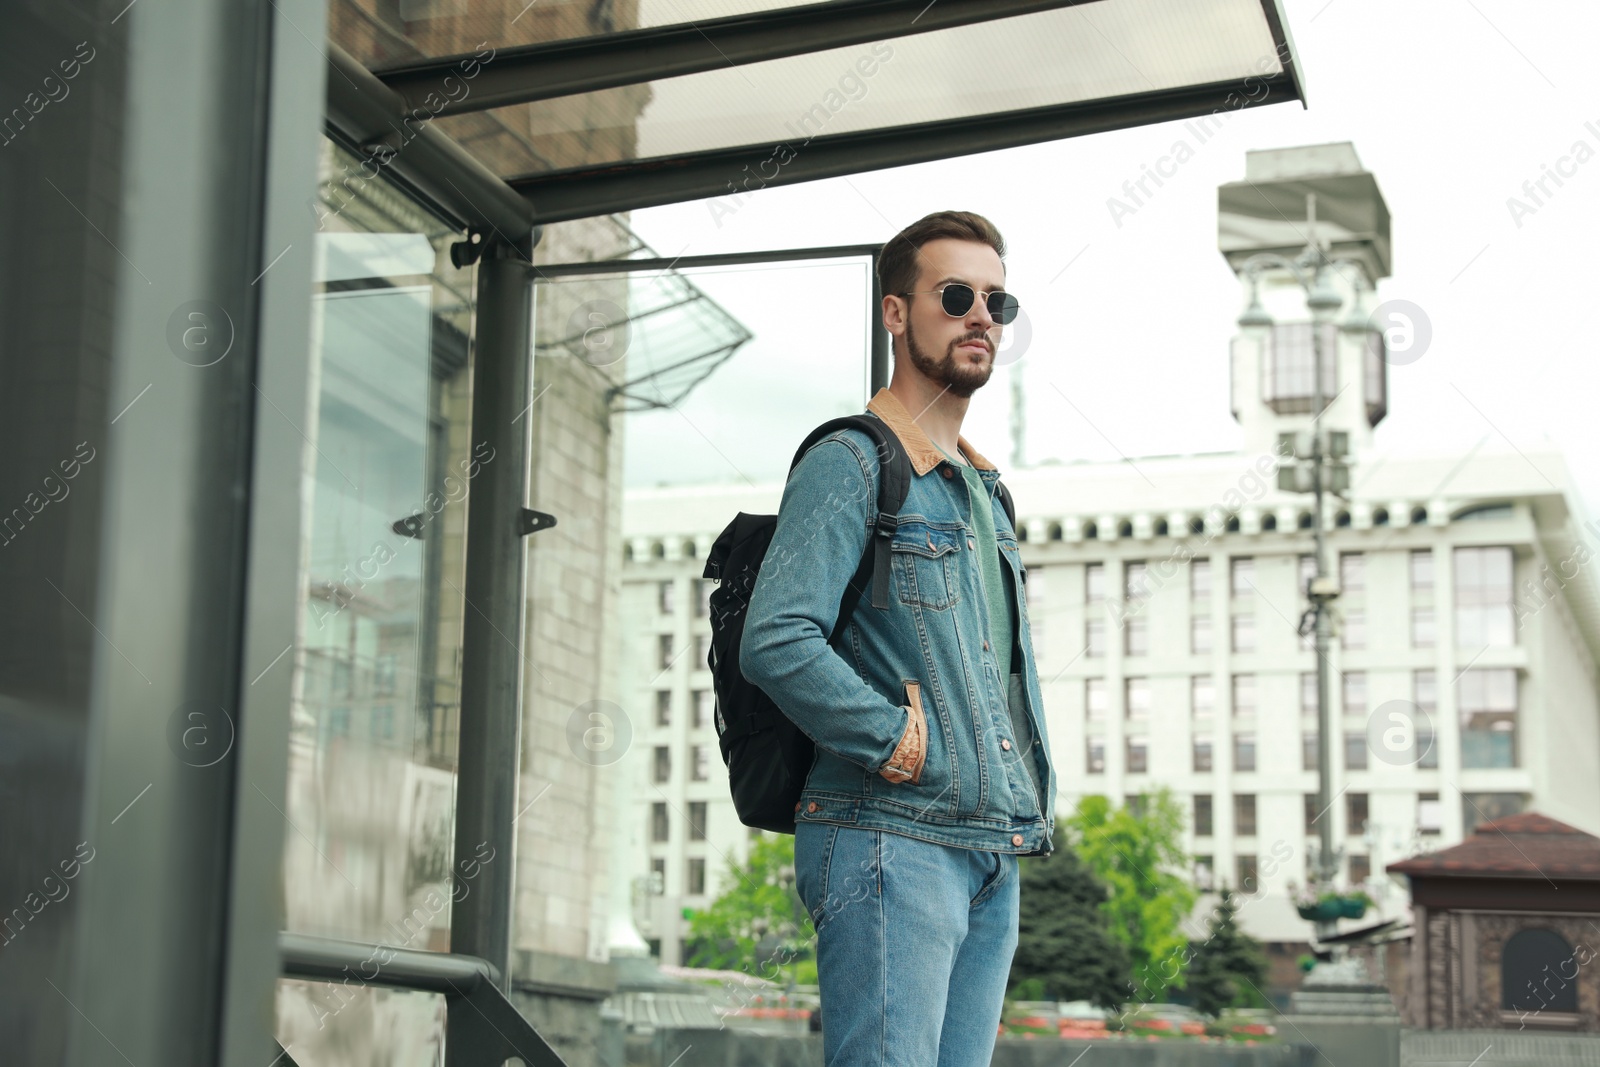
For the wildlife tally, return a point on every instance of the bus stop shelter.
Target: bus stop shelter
(163, 173)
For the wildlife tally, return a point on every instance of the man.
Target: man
(932, 773)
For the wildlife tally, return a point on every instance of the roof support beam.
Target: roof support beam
(584, 191)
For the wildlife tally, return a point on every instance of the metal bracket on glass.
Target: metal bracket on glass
(469, 250)
(410, 526)
(532, 521)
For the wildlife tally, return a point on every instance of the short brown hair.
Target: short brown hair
(897, 264)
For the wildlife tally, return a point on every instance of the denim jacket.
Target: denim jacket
(860, 705)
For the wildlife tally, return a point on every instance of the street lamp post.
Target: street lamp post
(1323, 466)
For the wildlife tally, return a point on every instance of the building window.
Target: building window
(1289, 367)
(1355, 692)
(1205, 873)
(1136, 633)
(1307, 570)
(1094, 760)
(700, 762)
(1355, 814)
(1355, 751)
(1200, 635)
(1136, 583)
(1488, 702)
(1138, 755)
(1136, 693)
(1202, 697)
(1530, 958)
(1424, 633)
(1308, 693)
(1200, 581)
(1242, 576)
(1430, 814)
(1094, 638)
(1422, 570)
(697, 820)
(663, 763)
(1360, 869)
(702, 597)
(1244, 752)
(1244, 814)
(1245, 869)
(339, 721)
(1134, 802)
(1313, 810)
(664, 596)
(1094, 699)
(1424, 693)
(1244, 695)
(1483, 597)
(658, 821)
(1244, 633)
(1479, 808)
(1202, 815)
(696, 882)
(1310, 751)
(385, 673)
(1352, 572)
(663, 651)
(702, 652)
(1353, 630)
(703, 703)
(1202, 753)
(663, 707)
(1094, 583)
(658, 884)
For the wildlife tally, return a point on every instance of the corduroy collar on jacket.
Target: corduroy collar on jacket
(920, 449)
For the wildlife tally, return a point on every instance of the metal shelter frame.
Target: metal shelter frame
(202, 484)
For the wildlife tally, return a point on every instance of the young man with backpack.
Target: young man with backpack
(931, 772)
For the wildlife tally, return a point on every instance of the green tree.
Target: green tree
(1227, 969)
(758, 923)
(1139, 858)
(1065, 950)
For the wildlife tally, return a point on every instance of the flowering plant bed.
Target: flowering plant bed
(1228, 1029)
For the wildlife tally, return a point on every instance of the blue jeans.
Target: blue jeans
(914, 945)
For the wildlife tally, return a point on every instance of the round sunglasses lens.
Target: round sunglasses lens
(957, 299)
(1003, 307)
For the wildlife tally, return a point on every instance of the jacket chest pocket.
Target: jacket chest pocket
(924, 559)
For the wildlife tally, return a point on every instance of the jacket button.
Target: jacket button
(1005, 744)
(986, 646)
(948, 473)
(811, 806)
(1016, 839)
(971, 543)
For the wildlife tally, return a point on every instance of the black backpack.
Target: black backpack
(768, 757)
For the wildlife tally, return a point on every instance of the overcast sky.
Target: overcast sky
(1451, 105)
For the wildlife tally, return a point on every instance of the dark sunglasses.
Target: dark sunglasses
(956, 299)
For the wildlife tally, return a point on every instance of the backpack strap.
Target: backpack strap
(894, 483)
(1005, 502)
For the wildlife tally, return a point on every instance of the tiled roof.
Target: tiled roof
(1528, 845)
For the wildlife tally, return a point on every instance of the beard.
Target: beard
(956, 373)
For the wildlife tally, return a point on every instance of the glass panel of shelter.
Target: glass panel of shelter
(1053, 57)
(712, 375)
(370, 794)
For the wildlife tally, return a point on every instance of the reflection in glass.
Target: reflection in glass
(373, 726)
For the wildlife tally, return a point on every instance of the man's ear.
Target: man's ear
(894, 312)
